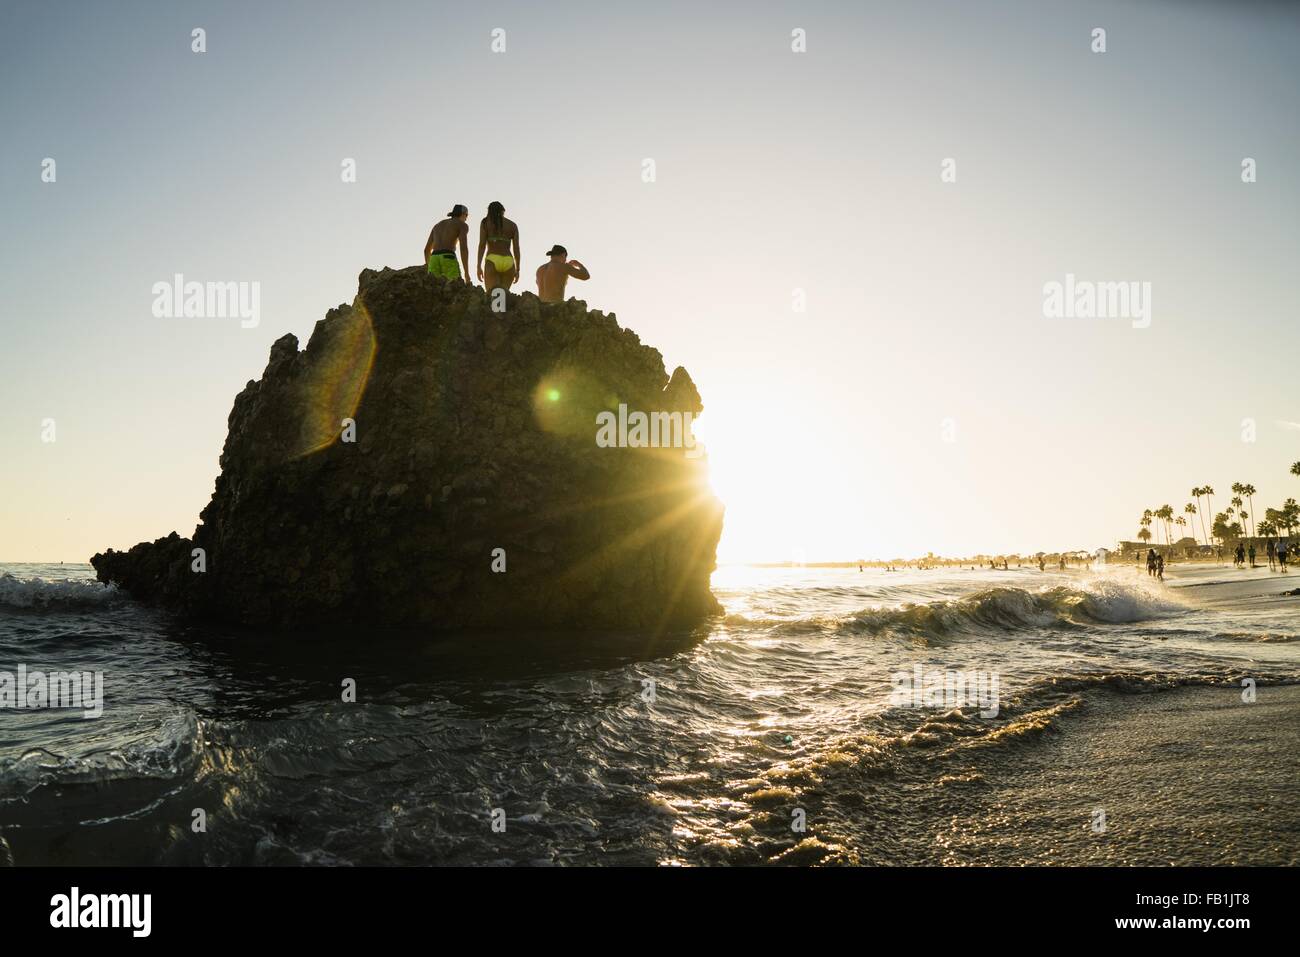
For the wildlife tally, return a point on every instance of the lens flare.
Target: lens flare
(337, 365)
(566, 400)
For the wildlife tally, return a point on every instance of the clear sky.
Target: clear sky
(776, 171)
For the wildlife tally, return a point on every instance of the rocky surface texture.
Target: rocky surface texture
(370, 478)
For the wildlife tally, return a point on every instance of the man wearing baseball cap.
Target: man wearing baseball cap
(439, 251)
(553, 274)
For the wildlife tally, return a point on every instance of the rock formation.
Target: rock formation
(429, 462)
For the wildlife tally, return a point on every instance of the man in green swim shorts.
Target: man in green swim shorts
(439, 250)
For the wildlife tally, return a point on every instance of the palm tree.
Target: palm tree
(1192, 510)
(1208, 492)
(1144, 533)
(1246, 491)
(1165, 513)
(1295, 468)
(1291, 515)
(1198, 492)
(1181, 523)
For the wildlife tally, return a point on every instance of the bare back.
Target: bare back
(446, 233)
(499, 241)
(553, 277)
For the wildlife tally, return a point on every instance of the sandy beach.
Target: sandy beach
(1184, 776)
(1226, 586)
(1191, 776)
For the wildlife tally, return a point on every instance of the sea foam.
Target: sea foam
(41, 593)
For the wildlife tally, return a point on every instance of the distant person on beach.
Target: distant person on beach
(1282, 555)
(1239, 558)
(440, 248)
(1271, 550)
(1151, 562)
(1160, 567)
(498, 242)
(1251, 552)
(555, 272)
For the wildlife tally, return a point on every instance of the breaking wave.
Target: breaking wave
(992, 610)
(42, 594)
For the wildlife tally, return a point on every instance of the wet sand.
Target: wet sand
(1186, 776)
(1227, 586)
(1190, 776)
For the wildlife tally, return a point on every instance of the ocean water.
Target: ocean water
(655, 750)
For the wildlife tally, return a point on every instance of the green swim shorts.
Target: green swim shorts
(443, 264)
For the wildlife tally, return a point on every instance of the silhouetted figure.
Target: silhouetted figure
(553, 274)
(439, 248)
(498, 242)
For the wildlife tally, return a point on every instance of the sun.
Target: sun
(772, 513)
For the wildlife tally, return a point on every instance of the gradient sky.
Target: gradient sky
(776, 171)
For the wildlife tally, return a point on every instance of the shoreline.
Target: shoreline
(1186, 776)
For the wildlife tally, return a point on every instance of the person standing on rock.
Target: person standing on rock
(439, 249)
(498, 238)
(553, 274)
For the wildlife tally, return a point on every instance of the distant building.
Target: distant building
(1131, 550)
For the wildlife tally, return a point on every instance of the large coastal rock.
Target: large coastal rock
(420, 443)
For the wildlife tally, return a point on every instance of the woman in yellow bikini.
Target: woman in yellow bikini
(498, 237)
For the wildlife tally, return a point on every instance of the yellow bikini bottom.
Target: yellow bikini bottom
(502, 262)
